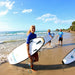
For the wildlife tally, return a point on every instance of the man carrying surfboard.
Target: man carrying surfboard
(31, 35)
(50, 36)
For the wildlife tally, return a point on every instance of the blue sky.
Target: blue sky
(44, 14)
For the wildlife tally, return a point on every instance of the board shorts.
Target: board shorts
(35, 57)
(50, 41)
(60, 39)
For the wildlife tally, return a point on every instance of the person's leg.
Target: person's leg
(61, 41)
(34, 58)
(58, 42)
(49, 43)
(46, 44)
(31, 62)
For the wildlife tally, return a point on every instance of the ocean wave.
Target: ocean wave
(9, 41)
(3, 58)
(12, 34)
(40, 32)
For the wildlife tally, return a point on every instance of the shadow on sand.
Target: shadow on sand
(47, 67)
(57, 46)
(68, 44)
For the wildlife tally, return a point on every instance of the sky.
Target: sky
(16, 15)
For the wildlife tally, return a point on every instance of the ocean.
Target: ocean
(9, 36)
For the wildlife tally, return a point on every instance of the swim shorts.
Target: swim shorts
(60, 39)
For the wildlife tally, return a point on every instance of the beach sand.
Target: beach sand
(50, 61)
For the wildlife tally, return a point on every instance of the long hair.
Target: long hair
(29, 31)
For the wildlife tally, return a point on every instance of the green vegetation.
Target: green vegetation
(57, 29)
(73, 23)
(72, 27)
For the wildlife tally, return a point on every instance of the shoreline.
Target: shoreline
(69, 31)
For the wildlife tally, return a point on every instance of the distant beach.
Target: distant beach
(50, 58)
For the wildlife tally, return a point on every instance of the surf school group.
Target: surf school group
(31, 35)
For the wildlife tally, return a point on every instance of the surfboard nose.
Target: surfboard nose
(62, 62)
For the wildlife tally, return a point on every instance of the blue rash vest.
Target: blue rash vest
(60, 34)
(30, 37)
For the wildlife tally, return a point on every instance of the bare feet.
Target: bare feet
(33, 70)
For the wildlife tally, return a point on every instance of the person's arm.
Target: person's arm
(50, 36)
(57, 35)
(62, 34)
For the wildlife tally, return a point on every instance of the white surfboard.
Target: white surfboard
(70, 57)
(20, 53)
(47, 38)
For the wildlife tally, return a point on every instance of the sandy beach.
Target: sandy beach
(50, 59)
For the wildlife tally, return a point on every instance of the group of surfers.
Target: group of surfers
(31, 35)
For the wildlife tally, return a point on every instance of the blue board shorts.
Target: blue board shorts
(35, 57)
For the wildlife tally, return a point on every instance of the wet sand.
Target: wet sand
(50, 61)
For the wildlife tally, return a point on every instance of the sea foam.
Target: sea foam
(3, 58)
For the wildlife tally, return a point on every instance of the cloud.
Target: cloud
(27, 11)
(47, 17)
(50, 17)
(15, 12)
(24, 11)
(8, 6)
(3, 12)
(63, 21)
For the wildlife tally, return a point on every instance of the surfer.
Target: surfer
(31, 35)
(60, 34)
(49, 33)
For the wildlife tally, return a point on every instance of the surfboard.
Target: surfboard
(69, 58)
(20, 53)
(47, 38)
